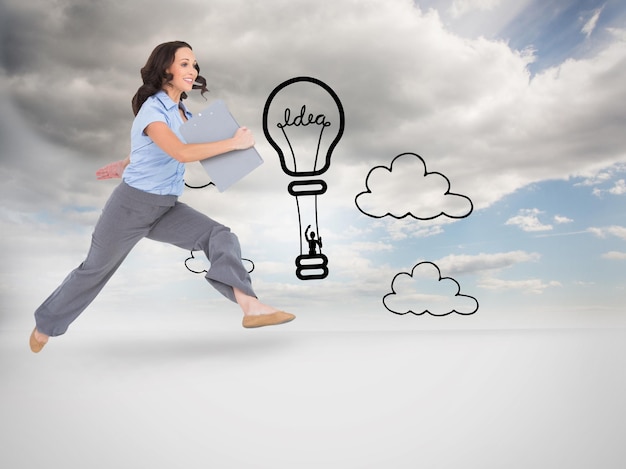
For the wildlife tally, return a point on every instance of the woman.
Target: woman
(145, 203)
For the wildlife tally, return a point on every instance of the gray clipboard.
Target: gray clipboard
(213, 124)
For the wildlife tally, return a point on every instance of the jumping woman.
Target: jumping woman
(145, 204)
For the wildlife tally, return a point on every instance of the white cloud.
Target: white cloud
(463, 264)
(584, 284)
(602, 176)
(462, 7)
(559, 219)
(615, 230)
(619, 188)
(590, 25)
(407, 228)
(376, 246)
(599, 178)
(528, 220)
(488, 264)
(615, 255)
(536, 286)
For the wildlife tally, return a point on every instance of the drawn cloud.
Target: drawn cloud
(424, 290)
(406, 188)
(197, 265)
(201, 265)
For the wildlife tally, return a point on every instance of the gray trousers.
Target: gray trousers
(128, 216)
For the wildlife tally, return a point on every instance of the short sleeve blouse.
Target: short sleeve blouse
(151, 169)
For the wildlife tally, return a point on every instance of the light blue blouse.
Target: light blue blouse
(151, 169)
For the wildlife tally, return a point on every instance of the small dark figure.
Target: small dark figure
(313, 243)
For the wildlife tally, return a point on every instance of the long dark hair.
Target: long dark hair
(154, 73)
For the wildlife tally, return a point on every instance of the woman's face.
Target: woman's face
(183, 70)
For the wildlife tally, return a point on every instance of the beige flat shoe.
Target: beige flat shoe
(273, 319)
(35, 345)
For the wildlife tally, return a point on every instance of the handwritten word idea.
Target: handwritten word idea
(302, 119)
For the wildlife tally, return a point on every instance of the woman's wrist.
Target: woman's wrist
(232, 144)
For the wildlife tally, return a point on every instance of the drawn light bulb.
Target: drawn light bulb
(303, 120)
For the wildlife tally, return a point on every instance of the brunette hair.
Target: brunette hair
(154, 73)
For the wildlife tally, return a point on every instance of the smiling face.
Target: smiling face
(183, 72)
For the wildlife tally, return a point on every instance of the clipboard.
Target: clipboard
(217, 123)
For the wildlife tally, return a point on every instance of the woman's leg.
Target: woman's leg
(189, 229)
(123, 222)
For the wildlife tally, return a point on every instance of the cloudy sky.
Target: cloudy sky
(516, 105)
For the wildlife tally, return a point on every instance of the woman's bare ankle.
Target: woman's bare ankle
(255, 307)
(41, 337)
(250, 305)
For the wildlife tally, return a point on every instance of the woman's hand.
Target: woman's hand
(243, 139)
(112, 170)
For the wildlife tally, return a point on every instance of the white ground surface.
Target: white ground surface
(285, 398)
